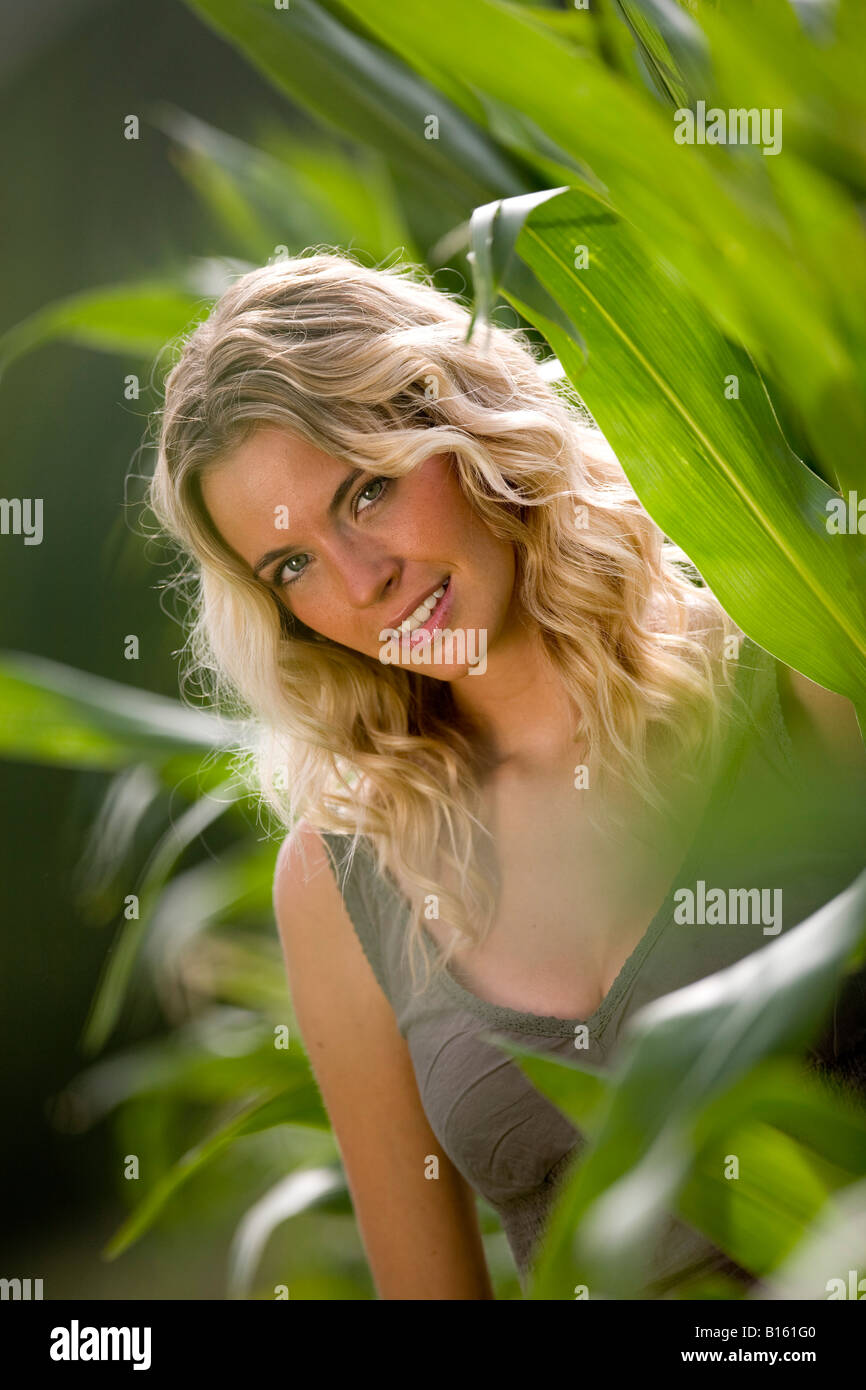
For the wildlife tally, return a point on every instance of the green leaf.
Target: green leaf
(120, 962)
(104, 867)
(783, 1093)
(306, 1190)
(288, 190)
(759, 1215)
(831, 1258)
(674, 48)
(343, 199)
(210, 1060)
(493, 232)
(298, 1104)
(137, 320)
(364, 92)
(711, 212)
(677, 1057)
(715, 474)
(52, 713)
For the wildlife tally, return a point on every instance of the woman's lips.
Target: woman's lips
(438, 618)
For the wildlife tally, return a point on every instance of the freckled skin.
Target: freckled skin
(360, 572)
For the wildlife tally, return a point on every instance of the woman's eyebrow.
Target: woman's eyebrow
(334, 503)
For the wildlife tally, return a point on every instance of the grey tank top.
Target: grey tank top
(773, 819)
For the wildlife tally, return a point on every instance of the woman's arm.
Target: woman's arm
(421, 1235)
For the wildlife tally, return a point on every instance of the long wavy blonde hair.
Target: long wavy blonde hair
(343, 355)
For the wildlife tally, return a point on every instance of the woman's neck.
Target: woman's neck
(518, 712)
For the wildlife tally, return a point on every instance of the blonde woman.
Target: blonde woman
(497, 714)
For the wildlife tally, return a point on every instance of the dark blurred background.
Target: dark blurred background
(84, 207)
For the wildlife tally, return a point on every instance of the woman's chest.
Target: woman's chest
(574, 900)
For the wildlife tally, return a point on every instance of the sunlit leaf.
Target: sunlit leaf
(299, 1104)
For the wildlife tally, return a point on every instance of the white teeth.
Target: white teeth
(423, 611)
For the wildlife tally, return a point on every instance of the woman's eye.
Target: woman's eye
(381, 483)
(285, 568)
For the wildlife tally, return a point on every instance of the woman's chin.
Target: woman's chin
(446, 655)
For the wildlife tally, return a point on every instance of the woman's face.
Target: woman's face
(352, 555)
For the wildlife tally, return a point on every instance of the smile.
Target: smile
(429, 612)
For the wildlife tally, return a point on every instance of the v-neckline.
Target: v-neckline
(502, 1016)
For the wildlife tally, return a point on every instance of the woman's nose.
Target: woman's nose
(366, 573)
